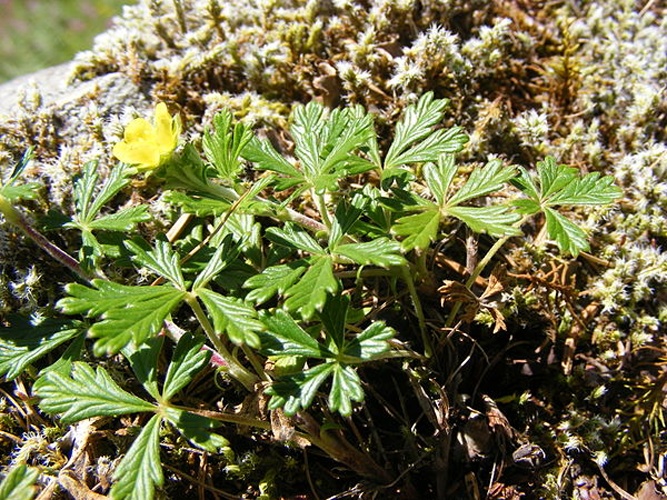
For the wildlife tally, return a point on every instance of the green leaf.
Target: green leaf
(297, 391)
(561, 185)
(284, 337)
(188, 359)
(123, 220)
(495, 220)
(415, 140)
(345, 388)
(381, 252)
(128, 312)
(273, 280)
(140, 471)
(588, 190)
(224, 255)
(553, 177)
(85, 393)
(87, 207)
(23, 192)
(347, 213)
(334, 318)
(569, 237)
(418, 230)
(439, 176)
(19, 483)
(309, 294)
(265, 157)
(144, 362)
(22, 343)
(162, 260)
(294, 237)
(223, 147)
(232, 316)
(27, 191)
(26, 158)
(482, 181)
(430, 149)
(372, 342)
(189, 174)
(416, 123)
(197, 430)
(201, 206)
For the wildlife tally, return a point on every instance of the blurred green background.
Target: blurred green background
(35, 34)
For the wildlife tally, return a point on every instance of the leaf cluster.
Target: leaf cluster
(277, 269)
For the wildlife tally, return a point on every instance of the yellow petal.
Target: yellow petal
(164, 131)
(140, 153)
(139, 129)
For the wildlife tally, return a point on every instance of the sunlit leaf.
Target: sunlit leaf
(140, 470)
(188, 360)
(85, 393)
(232, 316)
(19, 483)
(23, 343)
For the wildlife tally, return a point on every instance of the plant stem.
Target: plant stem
(13, 216)
(428, 349)
(480, 267)
(236, 369)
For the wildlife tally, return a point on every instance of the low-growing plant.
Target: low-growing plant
(288, 272)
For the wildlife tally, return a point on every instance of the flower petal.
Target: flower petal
(165, 138)
(139, 129)
(140, 153)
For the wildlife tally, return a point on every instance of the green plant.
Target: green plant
(276, 273)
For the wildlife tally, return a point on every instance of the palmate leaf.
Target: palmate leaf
(23, 343)
(372, 342)
(309, 293)
(560, 185)
(438, 176)
(144, 362)
(285, 339)
(296, 392)
(84, 393)
(224, 144)
(162, 260)
(419, 229)
(273, 280)
(588, 190)
(140, 471)
(232, 316)
(19, 483)
(264, 157)
(482, 181)
(128, 312)
(224, 255)
(87, 205)
(416, 125)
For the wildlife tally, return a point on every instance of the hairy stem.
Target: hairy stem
(13, 216)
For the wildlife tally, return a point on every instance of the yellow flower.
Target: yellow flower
(147, 145)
